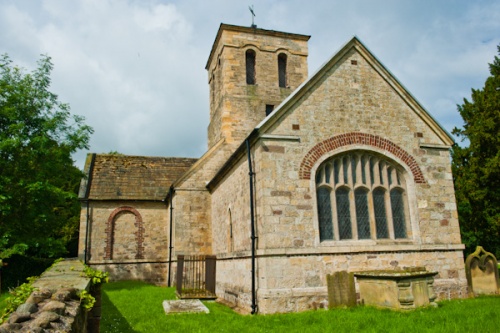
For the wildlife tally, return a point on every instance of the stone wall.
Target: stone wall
(352, 107)
(55, 306)
(127, 239)
(235, 106)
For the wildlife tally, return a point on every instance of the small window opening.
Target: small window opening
(250, 66)
(282, 70)
(269, 109)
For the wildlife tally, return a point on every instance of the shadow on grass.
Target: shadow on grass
(124, 285)
(112, 320)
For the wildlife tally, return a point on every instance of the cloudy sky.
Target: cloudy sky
(135, 69)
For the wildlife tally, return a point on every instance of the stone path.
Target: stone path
(184, 306)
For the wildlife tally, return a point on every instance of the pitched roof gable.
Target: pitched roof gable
(355, 43)
(281, 110)
(122, 177)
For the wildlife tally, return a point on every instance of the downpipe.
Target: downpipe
(252, 227)
(170, 247)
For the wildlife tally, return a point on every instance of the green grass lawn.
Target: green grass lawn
(137, 307)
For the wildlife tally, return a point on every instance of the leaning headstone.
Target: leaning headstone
(481, 269)
(341, 289)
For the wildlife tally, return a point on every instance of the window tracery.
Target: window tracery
(361, 195)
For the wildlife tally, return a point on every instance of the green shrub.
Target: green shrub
(17, 297)
(20, 267)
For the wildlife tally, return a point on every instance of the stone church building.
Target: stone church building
(339, 170)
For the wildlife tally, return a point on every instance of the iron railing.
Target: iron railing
(196, 276)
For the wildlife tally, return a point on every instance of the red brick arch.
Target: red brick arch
(358, 138)
(110, 229)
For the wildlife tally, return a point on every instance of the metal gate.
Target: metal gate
(196, 276)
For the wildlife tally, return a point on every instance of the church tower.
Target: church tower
(250, 71)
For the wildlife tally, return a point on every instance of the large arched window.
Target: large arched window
(361, 195)
(282, 70)
(250, 66)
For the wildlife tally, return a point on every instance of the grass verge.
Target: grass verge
(3, 297)
(133, 306)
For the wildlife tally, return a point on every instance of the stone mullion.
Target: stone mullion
(333, 202)
(352, 199)
(387, 201)
(371, 208)
(376, 173)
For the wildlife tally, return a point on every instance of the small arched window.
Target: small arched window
(282, 70)
(250, 66)
(361, 196)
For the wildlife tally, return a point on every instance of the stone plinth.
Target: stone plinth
(399, 289)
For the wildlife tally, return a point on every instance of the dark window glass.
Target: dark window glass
(398, 213)
(380, 214)
(250, 64)
(372, 173)
(363, 171)
(345, 162)
(325, 214)
(343, 213)
(282, 70)
(381, 171)
(362, 215)
(269, 109)
(319, 176)
(336, 170)
(328, 171)
(353, 169)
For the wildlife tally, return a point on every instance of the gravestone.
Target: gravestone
(341, 289)
(481, 269)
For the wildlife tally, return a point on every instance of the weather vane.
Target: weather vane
(253, 15)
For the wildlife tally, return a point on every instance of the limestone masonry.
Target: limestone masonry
(350, 173)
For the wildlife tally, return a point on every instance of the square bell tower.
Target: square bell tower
(250, 71)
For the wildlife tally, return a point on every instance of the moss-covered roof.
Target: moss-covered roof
(123, 177)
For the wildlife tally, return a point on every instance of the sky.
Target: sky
(135, 69)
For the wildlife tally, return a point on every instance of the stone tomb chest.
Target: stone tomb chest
(404, 289)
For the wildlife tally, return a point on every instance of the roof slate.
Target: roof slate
(123, 177)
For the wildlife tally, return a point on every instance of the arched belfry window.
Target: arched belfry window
(282, 70)
(361, 195)
(250, 66)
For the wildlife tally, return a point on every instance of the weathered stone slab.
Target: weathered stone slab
(184, 306)
(481, 269)
(341, 289)
(397, 289)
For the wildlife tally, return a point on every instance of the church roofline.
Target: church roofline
(252, 30)
(405, 94)
(114, 177)
(281, 109)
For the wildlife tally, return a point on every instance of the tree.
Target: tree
(476, 168)
(38, 202)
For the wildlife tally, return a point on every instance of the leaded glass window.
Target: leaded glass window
(362, 214)
(344, 213)
(325, 214)
(380, 214)
(398, 213)
(361, 195)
